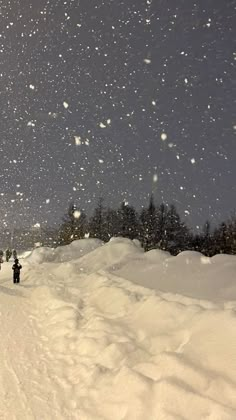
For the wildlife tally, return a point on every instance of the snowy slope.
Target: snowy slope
(109, 332)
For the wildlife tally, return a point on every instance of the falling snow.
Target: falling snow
(163, 136)
(98, 98)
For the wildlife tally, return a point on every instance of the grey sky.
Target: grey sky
(138, 68)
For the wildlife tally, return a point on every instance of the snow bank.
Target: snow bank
(64, 253)
(111, 256)
(124, 351)
(189, 273)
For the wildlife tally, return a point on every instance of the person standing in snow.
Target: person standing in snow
(14, 254)
(16, 271)
(8, 254)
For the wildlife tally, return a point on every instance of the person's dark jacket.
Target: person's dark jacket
(16, 267)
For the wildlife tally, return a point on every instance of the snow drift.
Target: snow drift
(134, 335)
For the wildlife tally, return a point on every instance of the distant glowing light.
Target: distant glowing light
(65, 104)
(147, 61)
(193, 161)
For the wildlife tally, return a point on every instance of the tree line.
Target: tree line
(156, 226)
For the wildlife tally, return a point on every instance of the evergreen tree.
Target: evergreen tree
(149, 227)
(73, 226)
(195, 242)
(97, 227)
(156, 227)
(80, 225)
(176, 237)
(232, 235)
(128, 221)
(206, 248)
(162, 213)
(222, 239)
(112, 224)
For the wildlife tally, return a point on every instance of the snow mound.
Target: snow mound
(124, 334)
(64, 253)
(189, 273)
(111, 256)
(106, 333)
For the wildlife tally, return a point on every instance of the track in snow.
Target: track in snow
(27, 389)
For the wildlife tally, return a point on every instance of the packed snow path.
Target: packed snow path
(27, 388)
(80, 341)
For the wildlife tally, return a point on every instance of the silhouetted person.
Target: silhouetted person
(14, 254)
(8, 254)
(16, 271)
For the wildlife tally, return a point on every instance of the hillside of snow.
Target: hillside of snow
(107, 332)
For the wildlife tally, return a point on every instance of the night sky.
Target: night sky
(117, 99)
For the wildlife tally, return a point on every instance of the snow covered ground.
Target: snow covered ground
(108, 332)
